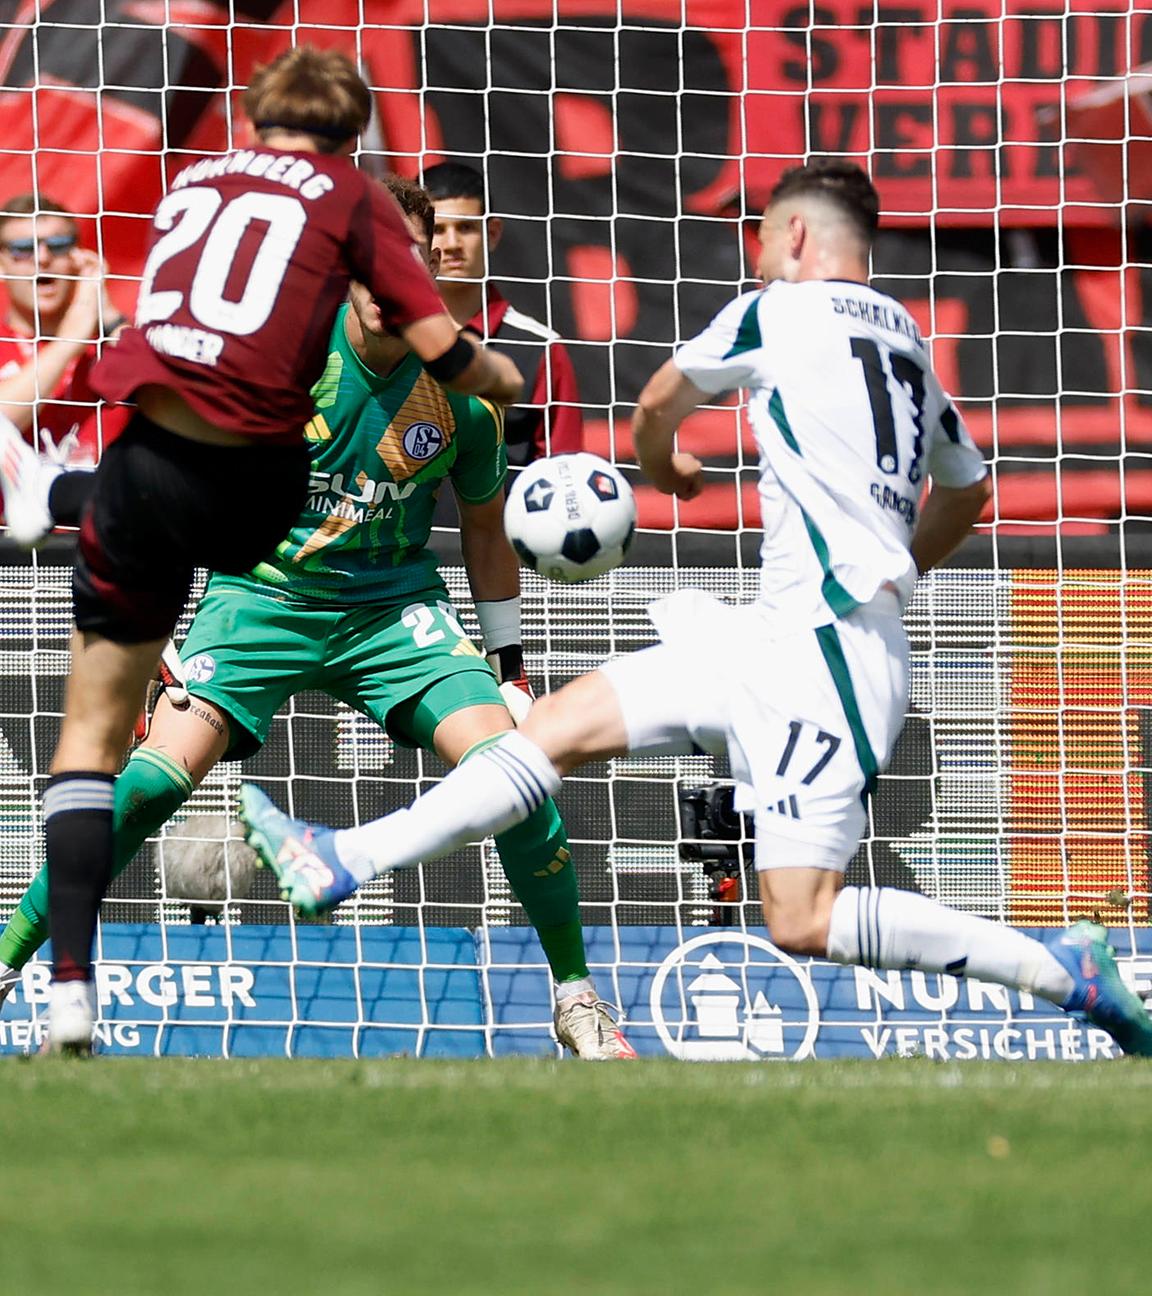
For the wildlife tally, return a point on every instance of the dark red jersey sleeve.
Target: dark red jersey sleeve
(384, 257)
(250, 259)
(561, 430)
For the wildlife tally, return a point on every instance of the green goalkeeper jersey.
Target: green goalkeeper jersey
(381, 449)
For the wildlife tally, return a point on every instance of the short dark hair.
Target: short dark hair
(31, 204)
(843, 183)
(413, 201)
(454, 180)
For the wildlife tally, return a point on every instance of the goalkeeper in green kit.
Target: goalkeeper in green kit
(351, 603)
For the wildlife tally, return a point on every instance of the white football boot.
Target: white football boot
(71, 1017)
(585, 1026)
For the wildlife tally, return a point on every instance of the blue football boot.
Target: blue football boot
(1098, 994)
(302, 855)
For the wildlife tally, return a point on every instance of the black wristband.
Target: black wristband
(452, 363)
(511, 659)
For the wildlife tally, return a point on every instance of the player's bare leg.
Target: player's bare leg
(104, 694)
(579, 723)
(810, 911)
(194, 736)
(797, 904)
(457, 734)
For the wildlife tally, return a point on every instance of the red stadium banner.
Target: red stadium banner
(629, 137)
(960, 106)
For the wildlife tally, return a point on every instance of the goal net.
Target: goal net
(628, 148)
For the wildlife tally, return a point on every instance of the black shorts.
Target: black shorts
(162, 506)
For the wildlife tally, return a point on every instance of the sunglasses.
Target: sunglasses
(26, 249)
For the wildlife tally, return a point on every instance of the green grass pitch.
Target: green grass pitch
(278, 1178)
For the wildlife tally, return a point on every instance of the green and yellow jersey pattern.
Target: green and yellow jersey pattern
(381, 449)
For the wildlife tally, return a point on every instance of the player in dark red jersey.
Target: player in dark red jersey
(251, 256)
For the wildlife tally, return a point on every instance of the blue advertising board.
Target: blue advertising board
(263, 991)
(704, 994)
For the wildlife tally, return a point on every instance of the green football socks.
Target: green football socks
(149, 791)
(538, 865)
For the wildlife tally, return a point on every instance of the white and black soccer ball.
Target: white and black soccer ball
(570, 517)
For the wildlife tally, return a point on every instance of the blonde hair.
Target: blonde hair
(316, 92)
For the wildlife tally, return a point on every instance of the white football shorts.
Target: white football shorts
(807, 718)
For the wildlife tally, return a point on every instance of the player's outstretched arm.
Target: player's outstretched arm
(666, 401)
(949, 513)
(461, 365)
(493, 569)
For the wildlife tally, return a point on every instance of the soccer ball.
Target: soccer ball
(570, 517)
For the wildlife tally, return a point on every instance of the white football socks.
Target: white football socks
(880, 927)
(498, 787)
(565, 990)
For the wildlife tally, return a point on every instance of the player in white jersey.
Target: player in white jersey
(805, 689)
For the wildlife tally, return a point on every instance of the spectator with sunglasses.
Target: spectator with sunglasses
(58, 310)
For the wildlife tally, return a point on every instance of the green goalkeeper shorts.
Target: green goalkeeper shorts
(407, 665)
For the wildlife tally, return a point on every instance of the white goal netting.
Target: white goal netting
(628, 146)
(1018, 790)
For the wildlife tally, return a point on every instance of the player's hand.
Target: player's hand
(171, 676)
(683, 477)
(508, 665)
(82, 318)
